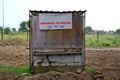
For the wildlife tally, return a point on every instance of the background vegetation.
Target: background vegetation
(92, 37)
(102, 40)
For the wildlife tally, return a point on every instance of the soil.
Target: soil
(106, 59)
(14, 52)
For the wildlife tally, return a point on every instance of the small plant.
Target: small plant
(114, 42)
(105, 44)
(88, 68)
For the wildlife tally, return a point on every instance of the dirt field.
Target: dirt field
(14, 52)
(105, 58)
(17, 53)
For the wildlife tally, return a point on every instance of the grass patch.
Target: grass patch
(19, 70)
(88, 68)
(25, 69)
(90, 39)
(17, 35)
(104, 40)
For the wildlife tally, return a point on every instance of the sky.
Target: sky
(100, 15)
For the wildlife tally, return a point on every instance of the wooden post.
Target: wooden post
(2, 31)
(1, 34)
(97, 37)
(27, 35)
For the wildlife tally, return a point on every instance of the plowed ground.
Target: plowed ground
(17, 53)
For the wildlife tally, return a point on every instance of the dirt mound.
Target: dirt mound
(50, 76)
(9, 76)
(60, 76)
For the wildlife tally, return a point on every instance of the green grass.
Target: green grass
(90, 39)
(104, 40)
(18, 36)
(88, 68)
(19, 70)
(25, 69)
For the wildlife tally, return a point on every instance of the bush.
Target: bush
(7, 30)
(106, 44)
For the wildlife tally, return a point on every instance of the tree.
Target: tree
(88, 29)
(23, 26)
(118, 31)
(27, 23)
(7, 30)
(13, 29)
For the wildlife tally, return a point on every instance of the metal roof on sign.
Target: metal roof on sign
(36, 12)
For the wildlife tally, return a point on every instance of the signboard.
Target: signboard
(49, 21)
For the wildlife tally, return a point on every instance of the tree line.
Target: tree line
(24, 27)
(89, 30)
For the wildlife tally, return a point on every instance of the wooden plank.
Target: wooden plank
(58, 38)
(49, 38)
(38, 35)
(58, 53)
(34, 33)
(70, 35)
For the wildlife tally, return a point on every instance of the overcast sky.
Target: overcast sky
(100, 15)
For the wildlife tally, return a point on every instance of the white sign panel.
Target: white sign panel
(48, 21)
